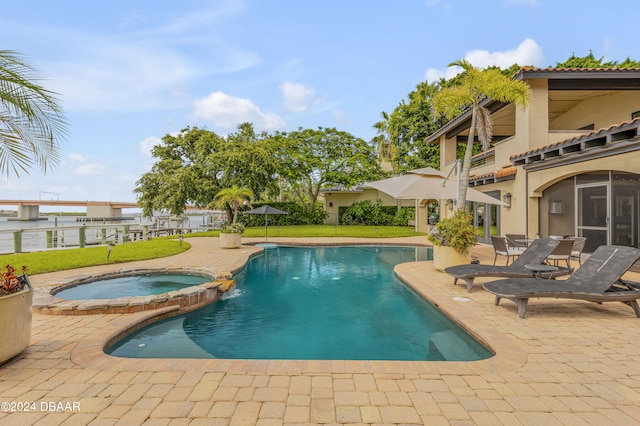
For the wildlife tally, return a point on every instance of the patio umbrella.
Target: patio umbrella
(265, 210)
(427, 184)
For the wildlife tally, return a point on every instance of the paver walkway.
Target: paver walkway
(567, 363)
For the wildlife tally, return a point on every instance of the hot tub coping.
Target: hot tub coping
(46, 302)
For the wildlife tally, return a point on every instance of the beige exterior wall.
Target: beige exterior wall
(532, 123)
(619, 107)
(447, 152)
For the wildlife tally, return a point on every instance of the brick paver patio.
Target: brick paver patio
(569, 362)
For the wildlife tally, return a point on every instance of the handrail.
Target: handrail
(76, 236)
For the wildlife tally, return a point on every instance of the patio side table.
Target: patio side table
(538, 270)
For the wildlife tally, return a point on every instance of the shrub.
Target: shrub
(403, 216)
(456, 231)
(298, 214)
(366, 213)
(233, 228)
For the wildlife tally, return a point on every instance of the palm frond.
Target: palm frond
(451, 101)
(31, 121)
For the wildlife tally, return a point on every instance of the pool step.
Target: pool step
(450, 346)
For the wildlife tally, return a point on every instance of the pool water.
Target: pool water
(129, 286)
(313, 303)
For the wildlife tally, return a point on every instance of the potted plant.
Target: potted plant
(231, 235)
(16, 296)
(231, 199)
(452, 238)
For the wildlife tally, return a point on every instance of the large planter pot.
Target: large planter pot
(15, 323)
(444, 256)
(232, 240)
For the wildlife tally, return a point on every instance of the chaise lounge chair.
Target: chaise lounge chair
(535, 254)
(597, 280)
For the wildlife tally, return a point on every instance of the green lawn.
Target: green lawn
(302, 231)
(58, 260)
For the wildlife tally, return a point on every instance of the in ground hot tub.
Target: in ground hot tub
(131, 291)
(147, 284)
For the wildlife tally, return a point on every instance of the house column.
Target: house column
(532, 123)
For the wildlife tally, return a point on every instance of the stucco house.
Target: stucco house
(567, 164)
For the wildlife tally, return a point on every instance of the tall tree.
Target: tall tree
(196, 164)
(476, 85)
(31, 121)
(312, 159)
(590, 61)
(409, 124)
(248, 161)
(187, 171)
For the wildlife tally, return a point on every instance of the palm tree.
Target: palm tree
(31, 121)
(232, 198)
(476, 85)
(385, 147)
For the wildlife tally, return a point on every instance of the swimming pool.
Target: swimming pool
(131, 285)
(313, 303)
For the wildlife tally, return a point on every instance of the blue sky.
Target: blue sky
(129, 72)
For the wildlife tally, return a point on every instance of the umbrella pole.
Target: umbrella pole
(266, 229)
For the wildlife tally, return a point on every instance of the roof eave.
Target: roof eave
(463, 121)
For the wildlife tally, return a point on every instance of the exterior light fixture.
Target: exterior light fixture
(109, 248)
(556, 207)
(507, 199)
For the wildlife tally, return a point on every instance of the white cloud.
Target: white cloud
(16, 188)
(84, 166)
(527, 53)
(433, 74)
(79, 158)
(89, 169)
(147, 145)
(297, 97)
(148, 66)
(227, 111)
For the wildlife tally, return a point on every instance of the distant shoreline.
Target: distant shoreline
(14, 213)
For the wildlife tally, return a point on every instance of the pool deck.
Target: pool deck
(568, 362)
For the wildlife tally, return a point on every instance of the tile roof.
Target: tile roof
(579, 70)
(621, 131)
(506, 173)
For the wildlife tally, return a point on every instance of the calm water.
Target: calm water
(137, 285)
(313, 303)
